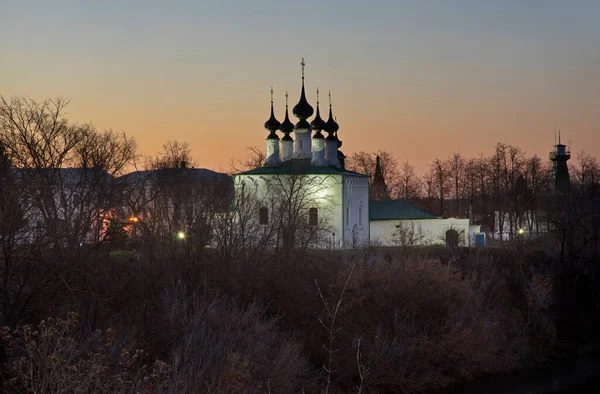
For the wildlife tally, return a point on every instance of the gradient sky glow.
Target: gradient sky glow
(422, 79)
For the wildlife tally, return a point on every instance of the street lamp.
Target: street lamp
(181, 235)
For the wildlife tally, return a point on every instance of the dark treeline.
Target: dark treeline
(157, 281)
(506, 190)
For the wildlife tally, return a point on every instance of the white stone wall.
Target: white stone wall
(426, 231)
(342, 200)
(325, 195)
(356, 211)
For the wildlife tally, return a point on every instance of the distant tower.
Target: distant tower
(559, 157)
(379, 189)
(272, 125)
(287, 143)
(303, 110)
(318, 141)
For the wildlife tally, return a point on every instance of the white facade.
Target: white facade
(341, 200)
(418, 232)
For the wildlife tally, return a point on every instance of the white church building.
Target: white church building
(306, 172)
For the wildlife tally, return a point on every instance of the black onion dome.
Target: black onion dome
(331, 126)
(272, 124)
(286, 126)
(317, 124)
(303, 110)
(339, 142)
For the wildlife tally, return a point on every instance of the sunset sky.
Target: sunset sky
(422, 79)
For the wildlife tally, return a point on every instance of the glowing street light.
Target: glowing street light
(134, 219)
(181, 235)
(521, 231)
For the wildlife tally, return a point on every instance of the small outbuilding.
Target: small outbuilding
(397, 223)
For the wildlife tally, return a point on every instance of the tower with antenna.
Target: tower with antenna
(303, 110)
(559, 156)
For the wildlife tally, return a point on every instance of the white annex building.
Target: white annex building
(308, 168)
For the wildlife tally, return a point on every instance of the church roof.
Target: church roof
(67, 176)
(300, 167)
(190, 174)
(396, 210)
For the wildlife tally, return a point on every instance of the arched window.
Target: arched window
(313, 216)
(263, 215)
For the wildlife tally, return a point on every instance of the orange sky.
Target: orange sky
(421, 81)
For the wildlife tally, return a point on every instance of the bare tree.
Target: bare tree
(409, 182)
(440, 177)
(407, 235)
(293, 197)
(587, 172)
(361, 162)
(430, 191)
(275, 216)
(37, 134)
(515, 186)
(13, 225)
(71, 205)
(171, 208)
(497, 173)
(256, 158)
(456, 168)
(175, 154)
(537, 178)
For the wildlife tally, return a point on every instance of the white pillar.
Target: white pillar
(287, 149)
(318, 152)
(331, 147)
(272, 152)
(302, 143)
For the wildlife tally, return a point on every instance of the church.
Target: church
(304, 181)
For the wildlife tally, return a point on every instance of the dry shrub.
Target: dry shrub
(55, 358)
(220, 347)
(212, 345)
(540, 295)
(421, 325)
